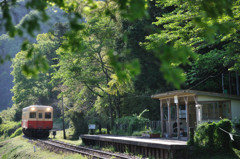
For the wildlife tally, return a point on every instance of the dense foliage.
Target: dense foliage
(17, 132)
(184, 31)
(8, 128)
(213, 21)
(213, 137)
(36, 90)
(128, 124)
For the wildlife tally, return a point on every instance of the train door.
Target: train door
(40, 119)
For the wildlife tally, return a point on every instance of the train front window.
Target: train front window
(47, 115)
(32, 114)
(40, 115)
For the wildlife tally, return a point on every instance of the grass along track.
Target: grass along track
(22, 148)
(54, 145)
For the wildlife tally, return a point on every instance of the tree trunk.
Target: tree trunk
(105, 71)
(64, 133)
(117, 104)
(111, 111)
(237, 83)
(230, 83)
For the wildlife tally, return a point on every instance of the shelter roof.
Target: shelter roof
(184, 93)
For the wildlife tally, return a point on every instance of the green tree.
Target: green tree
(150, 79)
(37, 90)
(210, 18)
(85, 66)
(185, 32)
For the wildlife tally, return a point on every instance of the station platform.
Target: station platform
(162, 148)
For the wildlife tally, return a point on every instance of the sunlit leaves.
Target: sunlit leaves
(28, 90)
(214, 16)
(186, 23)
(37, 65)
(193, 26)
(133, 9)
(171, 58)
(35, 61)
(30, 23)
(92, 68)
(170, 50)
(124, 68)
(7, 19)
(214, 9)
(117, 87)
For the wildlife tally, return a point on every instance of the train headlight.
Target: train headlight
(48, 109)
(33, 108)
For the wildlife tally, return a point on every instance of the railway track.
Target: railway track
(87, 152)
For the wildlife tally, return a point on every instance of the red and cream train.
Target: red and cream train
(37, 121)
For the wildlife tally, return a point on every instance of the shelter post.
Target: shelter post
(161, 109)
(178, 124)
(169, 117)
(187, 115)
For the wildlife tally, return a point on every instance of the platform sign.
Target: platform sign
(92, 126)
(175, 99)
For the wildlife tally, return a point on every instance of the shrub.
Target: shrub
(103, 131)
(0, 120)
(236, 142)
(8, 114)
(210, 137)
(16, 133)
(137, 133)
(204, 136)
(223, 138)
(9, 127)
(128, 124)
(210, 131)
(154, 131)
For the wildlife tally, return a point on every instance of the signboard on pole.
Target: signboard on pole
(91, 126)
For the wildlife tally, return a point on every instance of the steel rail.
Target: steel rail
(88, 152)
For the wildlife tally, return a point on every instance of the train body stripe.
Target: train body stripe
(34, 124)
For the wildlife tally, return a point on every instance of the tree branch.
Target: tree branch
(92, 90)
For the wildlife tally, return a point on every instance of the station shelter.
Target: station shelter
(183, 110)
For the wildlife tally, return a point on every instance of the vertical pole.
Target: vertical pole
(237, 83)
(64, 134)
(199, 113)
(229, 83)
(222, 83)
(169, 118)
(196, 102)
(178, 125)
(187, 115)
(161, 109)
(214, 112)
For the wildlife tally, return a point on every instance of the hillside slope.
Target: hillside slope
(10, 46)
